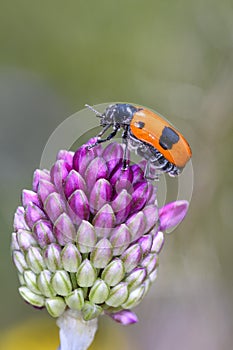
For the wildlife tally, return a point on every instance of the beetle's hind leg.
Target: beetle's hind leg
(151, 174)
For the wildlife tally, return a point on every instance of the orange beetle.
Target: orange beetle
(148, 134)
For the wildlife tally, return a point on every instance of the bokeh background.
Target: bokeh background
(173, 56)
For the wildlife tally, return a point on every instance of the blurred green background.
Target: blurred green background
(173, 56)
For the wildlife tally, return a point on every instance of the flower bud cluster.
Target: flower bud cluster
(86, 236)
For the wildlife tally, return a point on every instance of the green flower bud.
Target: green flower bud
(134, 297)
(45, 285)
(113, 272)
(30, 279)
(71, 258)
(21, 279)
(52, 257)
(91, 311)
(99, 292)
(153, 275)
(86, 237)
(101, 254)
(158, 242)
(120, 239)
(19, 260)
(135, 278)
(86, 274)
(118, 295)
(75, 300)
(61, 283)
(150, 262)
(35, 259)
(147, 284)
(55, 306)
(25, 239)
(31, 298)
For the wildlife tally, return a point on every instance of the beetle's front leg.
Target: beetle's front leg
(125, 141)
(109, 137)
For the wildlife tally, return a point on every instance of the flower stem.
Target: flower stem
(75, 333)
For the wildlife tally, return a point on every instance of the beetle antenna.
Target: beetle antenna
(98, 114)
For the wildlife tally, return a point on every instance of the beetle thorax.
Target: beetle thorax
(120, 113)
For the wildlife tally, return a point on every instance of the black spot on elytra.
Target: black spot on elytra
(168, 138)
(140, 125)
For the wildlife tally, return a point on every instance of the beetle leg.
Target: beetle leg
(109, 137)
(147, 172)
(125, 141)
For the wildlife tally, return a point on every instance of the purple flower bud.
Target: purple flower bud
(150, 262)
(140, 195)
(59, 172)
(138, 173)
(64, 229)
(33, 214)
(30, 196)
(136, 224)
(152, 198)
(45, 188)
(14, 242)
(122, 206)
(104, 221)
(172, 214)
(151, 215)
(100, 195)
(120, 239)
(25, 239)
(19, 219)
(73, 182)
(132, 257)
(43, 233)
(82, 158)
(125, 317)
(145, 243)
(78, 206)
(38, 176)
(86, 237)
(121, 175)
(67, 156)
(113, 151)
(97, 169)
(54, 206)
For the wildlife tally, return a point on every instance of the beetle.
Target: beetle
(148, 134)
